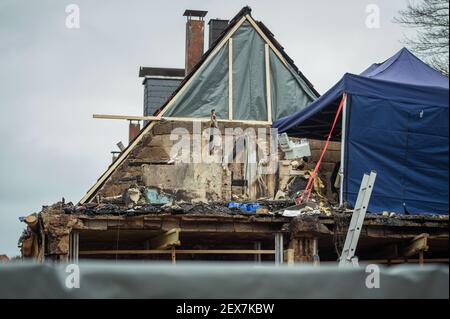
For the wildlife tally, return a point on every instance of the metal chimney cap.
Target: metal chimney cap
(195, 13)
(218, 20)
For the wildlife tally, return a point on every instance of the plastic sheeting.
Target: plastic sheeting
(398, 126)
(249, 95)
(236, 281)
(209, 89)
(287, 89)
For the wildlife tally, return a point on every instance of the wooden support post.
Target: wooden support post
(173, 255)
(421, 258)
(230, 78)
(180, 251)
(165, 240)
(415, 246)
(289, 256)
(268, 86)
(257, 246)
(305, 250)
(315, 252)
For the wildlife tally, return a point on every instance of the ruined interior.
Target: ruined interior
(159, 205)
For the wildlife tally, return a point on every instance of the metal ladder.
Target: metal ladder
(348, 257)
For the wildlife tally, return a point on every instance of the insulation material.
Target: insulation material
(208, 90)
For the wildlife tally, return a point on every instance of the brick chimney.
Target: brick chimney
(133, 130)
(195, 27)
(216, 27)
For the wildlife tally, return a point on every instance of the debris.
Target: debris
(280, 195)
(134, 195)
(154, 197)
(245, 207)
(293, 150)
(325, 208)
(296, 184)
(291, 213)
(262, 211)
(296, 164)
(31, 221)
(308, 224)
(112, 199)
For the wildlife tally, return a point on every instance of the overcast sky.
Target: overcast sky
(52, 79)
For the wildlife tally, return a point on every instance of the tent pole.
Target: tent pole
(341, 170)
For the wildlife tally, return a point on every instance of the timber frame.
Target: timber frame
(241, 237)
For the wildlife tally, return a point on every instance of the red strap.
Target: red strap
(310, 184)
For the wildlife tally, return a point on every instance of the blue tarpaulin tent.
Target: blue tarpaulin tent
(396, 123)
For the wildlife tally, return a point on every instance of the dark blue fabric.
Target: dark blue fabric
(397, 126)
(405, 67)
(407, 145)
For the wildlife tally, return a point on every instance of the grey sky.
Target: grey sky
(52, 78)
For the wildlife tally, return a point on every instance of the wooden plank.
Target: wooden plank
(174, 119)
(204, 119)
(268, 87)
(418, 244)
(181, 251)
(397, 261)
(230, 79)
(125, 117)
(165, 240)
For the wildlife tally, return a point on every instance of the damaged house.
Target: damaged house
(205, 178)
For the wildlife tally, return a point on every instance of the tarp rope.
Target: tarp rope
(310, 184)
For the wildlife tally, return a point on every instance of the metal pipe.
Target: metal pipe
(279, 249)
(343, 140)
